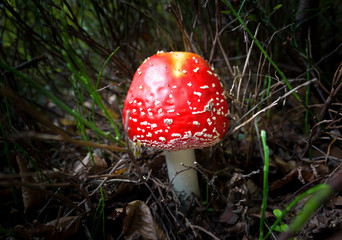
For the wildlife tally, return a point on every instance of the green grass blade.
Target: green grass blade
(322, 193)
(324, 190)
(282, 75)
(265, 183)
(79, 70)
(57, 101)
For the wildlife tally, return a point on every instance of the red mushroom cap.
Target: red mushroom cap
(176, 102)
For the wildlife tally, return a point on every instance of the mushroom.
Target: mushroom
(176, 103)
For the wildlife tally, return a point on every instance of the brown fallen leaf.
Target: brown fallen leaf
(56, 229)
(98, 165)
(304, 174)
(139, 223)
(228, 216)
(32, 198)
(65, 226)
(338, 201)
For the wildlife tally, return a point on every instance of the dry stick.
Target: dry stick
(329, 149)
(316, 133)
(186, 40)
(335, 90)
(62, 138)
(130, 152)
(246, 63)
(104, 180)
(222, 49)
(34, 185)
(24, 106)
(270, 106)
(216, 34)
(204, 230)
(98, 187)
(225, 56)
(28, 64)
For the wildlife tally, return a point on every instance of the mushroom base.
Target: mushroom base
(184, 182)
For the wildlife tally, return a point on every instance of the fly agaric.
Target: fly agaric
(176, 103)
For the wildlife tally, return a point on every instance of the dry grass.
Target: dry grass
(66, 171)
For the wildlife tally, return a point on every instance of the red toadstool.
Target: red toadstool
(176, 103)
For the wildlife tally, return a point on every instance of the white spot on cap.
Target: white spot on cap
(177, 135)
(198, 112)
(188, 134)
(168, 121)
(198, 94)
(184, 71)
(161, 51)
(213, 85)
(209, 121)
(153, 125)
(196, 123)
(162, 139)
(209, 106)
(149, 135)
(210, 72)
(156, 102)
(196, 69)
(189, 84)
(170, 111)
(204, 87)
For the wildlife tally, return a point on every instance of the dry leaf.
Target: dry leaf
(338, 201)
(302, 173)
(57, 229)
(99, 164)
(31, 197)
(228, 216)
(67, 122)
(65, 226)
(139, 223)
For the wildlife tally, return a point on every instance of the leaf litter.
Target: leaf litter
(57, 185)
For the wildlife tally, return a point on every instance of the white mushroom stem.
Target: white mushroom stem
(185, 182)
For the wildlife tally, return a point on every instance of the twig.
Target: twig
(62, 138)
(266, 108)
(204, 230)
(130, 152)
(104, 180)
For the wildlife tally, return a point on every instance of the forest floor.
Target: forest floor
(67, 171)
